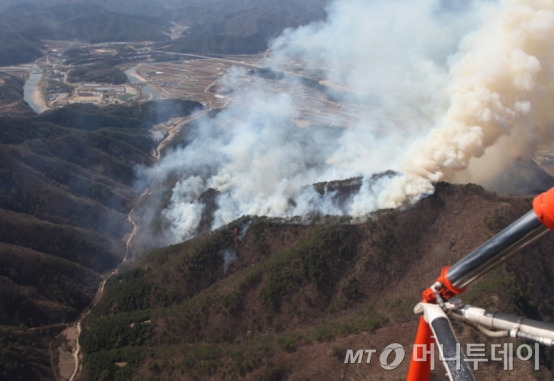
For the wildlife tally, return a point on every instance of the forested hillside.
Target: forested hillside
(16, 49)
(11, 96)
(66, 188)
(269, 299)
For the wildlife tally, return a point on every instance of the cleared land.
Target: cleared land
(198, 79)
(191, 77)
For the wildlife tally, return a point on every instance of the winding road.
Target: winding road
(100, 292)
(73, 332)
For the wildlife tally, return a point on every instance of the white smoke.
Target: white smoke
(229, 257)
(184, 209)
(502, 89)
(436, 83)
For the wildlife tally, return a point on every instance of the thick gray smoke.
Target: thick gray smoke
(436, 83)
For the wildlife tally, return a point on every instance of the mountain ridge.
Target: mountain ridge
(288, 290)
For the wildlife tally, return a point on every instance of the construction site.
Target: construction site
(212, 81)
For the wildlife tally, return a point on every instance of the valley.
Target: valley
(265, 342)
(259, 189)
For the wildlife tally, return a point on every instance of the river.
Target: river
(32, 92)
(148, 92)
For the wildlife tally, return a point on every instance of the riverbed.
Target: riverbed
(32, 91)
(148, 92)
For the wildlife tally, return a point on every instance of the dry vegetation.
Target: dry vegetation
(299, 296)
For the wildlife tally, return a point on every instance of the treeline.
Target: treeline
(99, 72)
(219, 44)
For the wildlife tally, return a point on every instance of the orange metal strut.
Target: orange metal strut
(543, 205)
(420, 366)
(447, 291)
(420, 369)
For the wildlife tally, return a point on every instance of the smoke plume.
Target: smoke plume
(435, 86)
(500, 96)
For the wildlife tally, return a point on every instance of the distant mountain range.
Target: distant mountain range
(24, 26)
(16, 49)
(189, 11)
(214, 26)
(234, 26)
